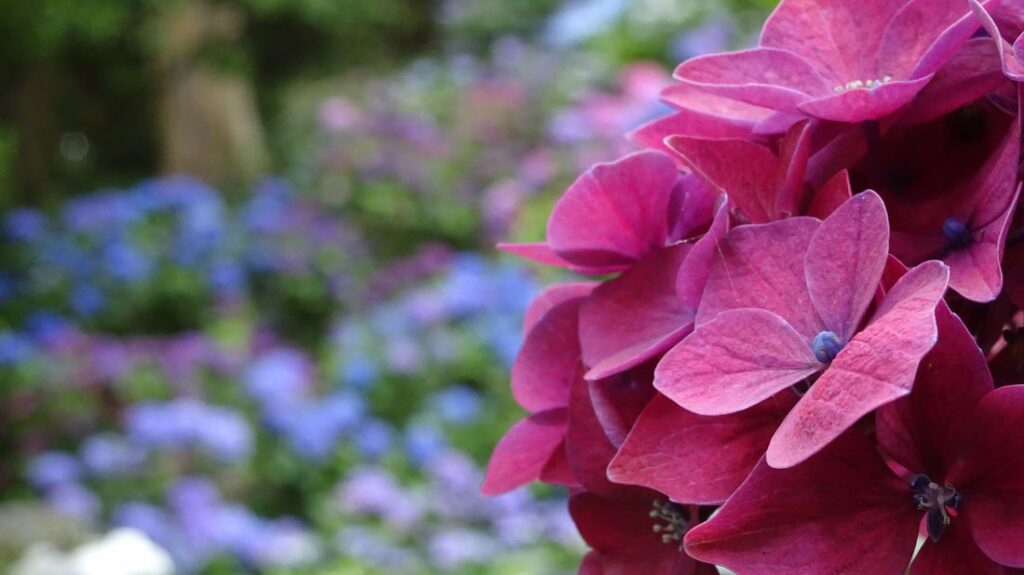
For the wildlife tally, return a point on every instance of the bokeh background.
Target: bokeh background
(249, 301)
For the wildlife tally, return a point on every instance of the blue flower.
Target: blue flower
(373, 438)
(87, 300)
(423, 442)
(53, 468)
(457, 403)
(124, 262)
(110, 454)
(14, 348)
(25, 225)
(359, 371)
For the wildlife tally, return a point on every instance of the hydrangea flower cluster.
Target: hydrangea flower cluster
(798, 349)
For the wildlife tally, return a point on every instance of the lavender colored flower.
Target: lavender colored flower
(453, 548)
(53, 468)
(184, 423)
(457, 403)
(74, 500)
(423, 442)
(374, 491)
(373, 438)
(110, 454)
(281, 376)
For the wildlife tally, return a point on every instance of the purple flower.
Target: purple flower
(374, 491)
(280, 376)
(373, 438)
(184, 423)
(74, 500)
(52, 469)
(110, 454)
(453, 548)
(457, 403)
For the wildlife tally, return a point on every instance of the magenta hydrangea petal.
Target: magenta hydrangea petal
(696, 268)
(864, 104)
(923, 36)
(955, 554)
(992, 478)
(735, 361)
(744, 170)
(653, 134)
(765, 77)
(794, 153)
(693, 458)
(588, 447)
(971, 73)
(845, 261)
(618, 401)
(524, 451)
(541, 253)
(635, 316)
(837, 36)
(832, 194)
(551, 298)
(922, 432)
(616, 213)
(549, 361)
(762, 266)
(842, 511)
(876, 367)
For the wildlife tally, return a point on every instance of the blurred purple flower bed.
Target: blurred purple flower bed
(312, 373)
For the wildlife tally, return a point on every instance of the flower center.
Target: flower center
(826, 346)
(941, 502)
(956, 233)
(669, 521)
(862, 84)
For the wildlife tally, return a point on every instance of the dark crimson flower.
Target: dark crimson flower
(838, 60)
(763, 185)
(950, 188)
(784, 307)
(956, 466)
(630, 529)
(542, 377)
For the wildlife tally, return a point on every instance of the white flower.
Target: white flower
(121, 552)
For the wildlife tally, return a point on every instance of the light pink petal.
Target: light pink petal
(838, 36)
(830, 196)
(922, 432)
(688, 98)
(852, 106)
(615, 213)
(522, 454)
(845, 261)
(841, 512)
(764, 77)
(923, 36)
(762, 266)
(693, 458)
(549, 361)
(553, 296)
(735, 361)
(740, 168)
(635, 316)
(992, 480)
(876, 367)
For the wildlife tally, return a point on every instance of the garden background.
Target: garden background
(249, 300)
